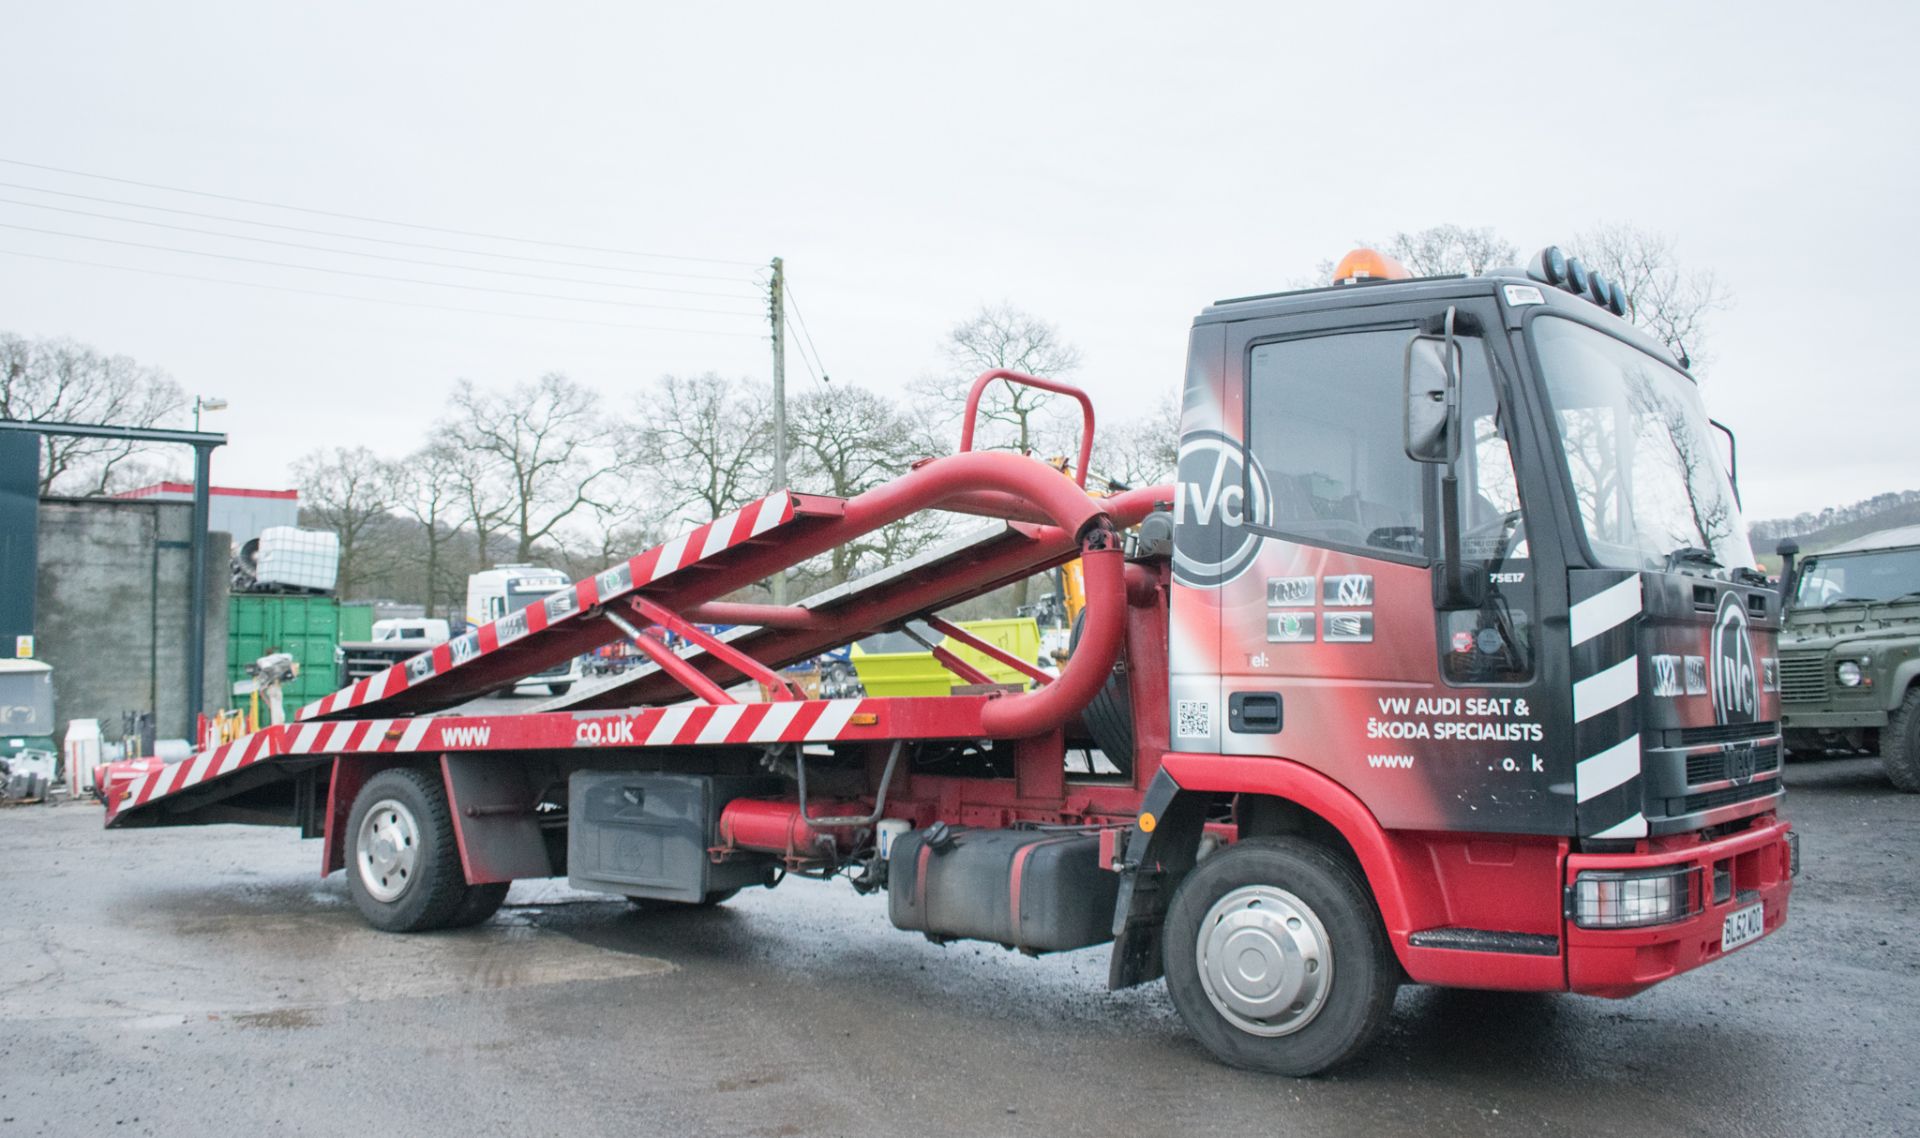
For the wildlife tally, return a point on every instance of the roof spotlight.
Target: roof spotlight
(1549, 265)
(1616, 298)
(1597, 289)
(1576, 281)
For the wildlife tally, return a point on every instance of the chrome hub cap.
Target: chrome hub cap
(387, 849)
(1265, 961)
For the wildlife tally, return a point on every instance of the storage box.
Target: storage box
(298, 558)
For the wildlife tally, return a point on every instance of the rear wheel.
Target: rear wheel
(559, 689)
(403, 867)
(1900, 744)
(1276, 959)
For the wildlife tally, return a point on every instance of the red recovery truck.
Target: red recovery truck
(1443, 660)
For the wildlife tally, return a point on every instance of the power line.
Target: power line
(374, 256)
(373, 220)
(375, 299)
(374, 276)
(376, 240)
(801, 322)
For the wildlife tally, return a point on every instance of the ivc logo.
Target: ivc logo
(1219, 491)
(1735, 681)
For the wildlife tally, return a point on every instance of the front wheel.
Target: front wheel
(559, 689)
(1276, 958)
(403, 866)
(1900, 744)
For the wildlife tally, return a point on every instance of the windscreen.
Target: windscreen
(520, 594)
(1883, 575)
(1648, 477)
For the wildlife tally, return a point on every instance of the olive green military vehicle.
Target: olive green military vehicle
(1850, 650)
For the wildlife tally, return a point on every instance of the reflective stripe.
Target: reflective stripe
(415, 730)
(721, 722)
(669, 725)
(337, 740)
(720, 535)
(1605, 610)
(1634, 827)
(773, 511)
(1607, 690)
(833, 719)
(774, 721)
(1606, 770)
(670, 554)
(376, 733)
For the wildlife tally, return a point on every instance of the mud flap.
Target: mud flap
(1157, 860)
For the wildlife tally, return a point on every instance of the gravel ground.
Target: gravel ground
(205, 981)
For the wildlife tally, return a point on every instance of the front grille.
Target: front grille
(1712, 799)
(1803, 677)
(1722, 733)
(1712, 765)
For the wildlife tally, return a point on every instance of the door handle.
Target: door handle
(1255, 712)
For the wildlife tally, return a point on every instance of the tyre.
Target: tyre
(656, 905)
(1109, 714)
(1276, 958)
(1900, 744)
(482, 902)
(403, 867)
(559, 689)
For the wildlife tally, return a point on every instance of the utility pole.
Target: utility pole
(778, 313)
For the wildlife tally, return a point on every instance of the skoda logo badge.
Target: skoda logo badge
(1733, 681)
(1214, 502)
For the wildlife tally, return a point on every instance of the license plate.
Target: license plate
(1743, 926)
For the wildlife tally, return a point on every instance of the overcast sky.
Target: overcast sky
(1111, 167)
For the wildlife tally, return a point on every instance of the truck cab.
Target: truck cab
(1850, 652)
(494, 593)
(1465, 556)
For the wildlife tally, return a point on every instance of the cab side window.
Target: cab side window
(1327, 429)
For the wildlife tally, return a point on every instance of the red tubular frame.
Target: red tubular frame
(992, 651)
(768, 678)
(1025, 380)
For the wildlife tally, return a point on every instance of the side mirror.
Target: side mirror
(1433, 398)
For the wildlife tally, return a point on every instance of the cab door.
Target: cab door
(1330, 649)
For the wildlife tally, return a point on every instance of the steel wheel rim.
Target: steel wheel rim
(1265, 960)
(387, 849)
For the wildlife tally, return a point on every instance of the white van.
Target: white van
(493, 593)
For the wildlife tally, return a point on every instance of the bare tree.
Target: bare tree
(1011, 417)
(548, 449)
(1141, 451)
(1672, 303)
(350, 492)
(847, 440)
(428, 489)
(61, 381)
(1442, 250)
(707, 444)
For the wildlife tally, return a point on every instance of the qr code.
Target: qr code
(1193, 718)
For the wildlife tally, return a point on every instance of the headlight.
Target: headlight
(1848, 673)
(1629, 899)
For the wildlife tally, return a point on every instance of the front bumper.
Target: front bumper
(1621, 962)
(1793, 720)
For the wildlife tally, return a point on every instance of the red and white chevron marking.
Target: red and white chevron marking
(720, 534)
(222, 760)
(684, 725)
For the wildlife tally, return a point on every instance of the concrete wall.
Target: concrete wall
(112, 595)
